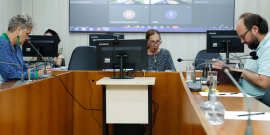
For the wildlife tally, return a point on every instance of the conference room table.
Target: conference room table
(46, 107)
(235, 127)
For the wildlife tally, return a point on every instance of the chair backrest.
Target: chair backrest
(63, 63)
(83, 58)
(204, 55)
(266, 97)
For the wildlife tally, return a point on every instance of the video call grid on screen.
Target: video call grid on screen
(142, 15)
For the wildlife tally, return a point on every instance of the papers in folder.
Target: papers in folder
(224, 94)
(234, 115)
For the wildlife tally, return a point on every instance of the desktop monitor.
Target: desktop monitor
(46, 45)
(94, 37)
(123, 54)
(223, 41)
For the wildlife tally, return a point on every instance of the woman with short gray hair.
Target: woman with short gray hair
(19, 27)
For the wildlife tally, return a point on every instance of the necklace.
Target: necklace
(155, 58)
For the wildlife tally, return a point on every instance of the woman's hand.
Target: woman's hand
(48, 69)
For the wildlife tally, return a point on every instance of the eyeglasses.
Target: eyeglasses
(155, 43)
(242, 36)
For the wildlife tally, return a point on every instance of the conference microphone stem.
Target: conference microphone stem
(249, 130)
(45, 71)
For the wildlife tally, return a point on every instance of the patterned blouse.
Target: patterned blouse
(9, 55)
(161, 61)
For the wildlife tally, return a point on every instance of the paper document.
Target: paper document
(225, 94)
(234, 115)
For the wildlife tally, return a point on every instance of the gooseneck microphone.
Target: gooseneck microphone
(45, 75)
(249, 130)
(196, 85)
(155, 55)
(22, 76)
(253, 55)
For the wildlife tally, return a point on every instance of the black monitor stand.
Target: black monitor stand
(38, 58)
(227, 53)
(121, 69)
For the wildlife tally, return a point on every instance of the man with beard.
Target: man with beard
(252, 29)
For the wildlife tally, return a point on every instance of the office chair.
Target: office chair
(266, 97)
(63, 63)
(204, 55)
(83, 58)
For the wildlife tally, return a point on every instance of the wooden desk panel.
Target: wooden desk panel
(166, 92)
(237, 127)
(39, 108)
(58, 72)
(44, 107)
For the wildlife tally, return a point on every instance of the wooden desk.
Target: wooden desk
(237, 127)
(39, 108)
(45, 107)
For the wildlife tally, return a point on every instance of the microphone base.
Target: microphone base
(45, 76)
(194, 86)
(19, 82)
(203, 79)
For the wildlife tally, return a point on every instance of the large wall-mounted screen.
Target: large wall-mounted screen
(142, 15)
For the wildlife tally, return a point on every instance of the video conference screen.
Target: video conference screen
(142, 15)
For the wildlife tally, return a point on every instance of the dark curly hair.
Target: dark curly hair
(53, 33)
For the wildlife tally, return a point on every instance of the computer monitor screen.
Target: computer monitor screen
(133, 51)
(226, 41)
(142, 15)
(94, 37)
(46, 45)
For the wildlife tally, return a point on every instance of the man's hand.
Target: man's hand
(218, 65)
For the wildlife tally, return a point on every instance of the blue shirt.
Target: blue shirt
(9, 55)
(260, 66)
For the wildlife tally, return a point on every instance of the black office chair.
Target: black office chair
(83, 58)
(204, 55)
(63, 63)
(266, 97)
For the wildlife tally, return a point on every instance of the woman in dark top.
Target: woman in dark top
(159, 59)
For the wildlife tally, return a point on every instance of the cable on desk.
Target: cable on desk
(156, 106)
(91, 99)
(74, 97)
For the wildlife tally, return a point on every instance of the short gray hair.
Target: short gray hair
(21, 19)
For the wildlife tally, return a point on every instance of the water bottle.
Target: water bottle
(213, 110)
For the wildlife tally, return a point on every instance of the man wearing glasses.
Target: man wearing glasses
(253, 31)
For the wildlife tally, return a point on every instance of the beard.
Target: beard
(254, 43)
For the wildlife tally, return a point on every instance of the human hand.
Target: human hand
(61, 56)
(168, 71)
(218, 65)
(48, 70)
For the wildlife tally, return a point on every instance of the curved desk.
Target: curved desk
(44, 107)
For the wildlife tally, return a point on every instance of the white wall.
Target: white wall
(54, 14)
(7, 9)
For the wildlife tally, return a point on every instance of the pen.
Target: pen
(251, 114)
(230, 93)
(219, 57)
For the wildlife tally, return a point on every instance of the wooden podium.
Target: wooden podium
(127, 101)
